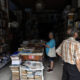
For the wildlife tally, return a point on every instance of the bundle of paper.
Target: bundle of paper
(33, 65)
(15, 60)
(23, 72)
(30, 75)
(14, 57)
(24, 77)
(38, 75)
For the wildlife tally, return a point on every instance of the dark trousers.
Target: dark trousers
(70, 72)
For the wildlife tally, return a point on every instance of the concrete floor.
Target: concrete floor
(5, 73)
(56, 74)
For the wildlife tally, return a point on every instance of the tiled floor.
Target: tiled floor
(5, 73)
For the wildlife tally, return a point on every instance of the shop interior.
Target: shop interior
(25, 24)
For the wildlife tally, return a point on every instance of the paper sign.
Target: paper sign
(31, 57)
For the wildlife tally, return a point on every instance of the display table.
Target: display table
(27, 63)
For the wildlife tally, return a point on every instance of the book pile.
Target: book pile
(15, 60)
(31, 70)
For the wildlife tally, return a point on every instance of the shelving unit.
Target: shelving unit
(4, 57)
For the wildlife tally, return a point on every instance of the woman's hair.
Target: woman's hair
(51, 33)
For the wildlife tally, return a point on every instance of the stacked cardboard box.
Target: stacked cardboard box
(16, 61)
(15, 76)
(15, 72)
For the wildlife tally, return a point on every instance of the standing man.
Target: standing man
(69, 50)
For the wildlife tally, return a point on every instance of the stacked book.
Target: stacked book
(31, 70)
(15, 72)
(15, 60)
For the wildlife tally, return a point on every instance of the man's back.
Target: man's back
(69, 50)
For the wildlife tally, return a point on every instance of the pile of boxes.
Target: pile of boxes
(15, 69)
(15, 72)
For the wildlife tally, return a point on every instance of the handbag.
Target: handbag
(52, 52)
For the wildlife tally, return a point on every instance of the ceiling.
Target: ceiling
(49, 4)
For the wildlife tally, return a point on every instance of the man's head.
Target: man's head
(74, 33)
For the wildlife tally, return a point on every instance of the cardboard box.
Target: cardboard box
(15, 76)
(15, 73)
